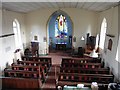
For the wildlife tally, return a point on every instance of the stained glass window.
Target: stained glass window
(61, 27)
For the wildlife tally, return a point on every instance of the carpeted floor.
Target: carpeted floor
(57, 56)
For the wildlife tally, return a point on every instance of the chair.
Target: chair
(81, 51)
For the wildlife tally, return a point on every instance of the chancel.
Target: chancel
(59, 45)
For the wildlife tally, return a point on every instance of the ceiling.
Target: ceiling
(26, 7)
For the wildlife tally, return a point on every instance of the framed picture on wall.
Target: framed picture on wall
(44, 39)
(35, 38)
(74, 39)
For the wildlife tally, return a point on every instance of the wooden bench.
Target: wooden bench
(33, 63)
(81, 60)
(75, 71)
(84, 70)
(29, 73)
(40, 59)
(82, 65)
(22, 71)
(44, 65)
(20, 83)
(63, 83)
(72, 78)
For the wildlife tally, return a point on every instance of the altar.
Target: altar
(60, 46)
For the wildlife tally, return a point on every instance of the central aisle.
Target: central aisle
(57, 56)
(50, 83)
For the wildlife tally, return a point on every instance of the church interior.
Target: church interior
(60, 45)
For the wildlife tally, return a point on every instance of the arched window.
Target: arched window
(97, 40)
(118, 47)
(103, 33)
(61, 27)
(16, 30)
(116, 55)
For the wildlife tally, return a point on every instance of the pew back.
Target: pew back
(81, 60)
(82, 65)
(84, 70)
(40, 59)
(89, 78)
(20, 83)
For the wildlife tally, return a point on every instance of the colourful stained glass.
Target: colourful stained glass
(61, 27)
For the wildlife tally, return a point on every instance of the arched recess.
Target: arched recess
(103, 33)
(58, 35)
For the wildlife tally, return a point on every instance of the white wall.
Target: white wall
(111, 16)
(83, 22)
(0, 45)
(0, 35)
(8, 43)
(119, 42)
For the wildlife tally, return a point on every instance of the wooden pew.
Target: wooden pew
(33, 63)
(20, 83)
(29, 73)
(44, 65)
(81, 60)
(87, 79)
(75, 71)
(40, 59)
(22, 71)
(82, 65)
(84, 70)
